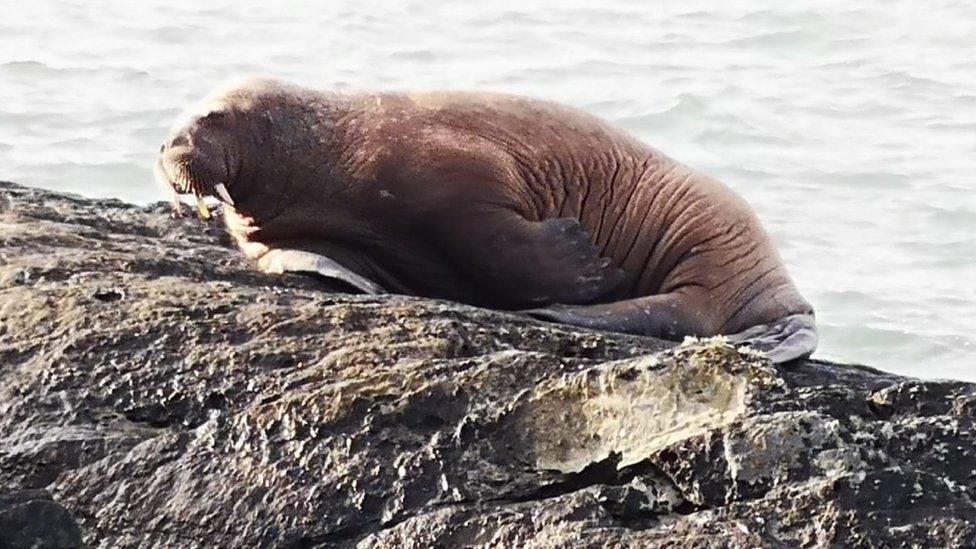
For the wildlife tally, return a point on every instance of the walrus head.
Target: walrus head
(253, 145)
(201, 158)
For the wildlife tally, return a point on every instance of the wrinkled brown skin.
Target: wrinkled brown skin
(494, 200)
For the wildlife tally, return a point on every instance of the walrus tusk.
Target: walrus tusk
(223, 194)
(202, 208)
(177, 205)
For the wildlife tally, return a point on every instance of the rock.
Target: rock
(29, 518)
(167, 394)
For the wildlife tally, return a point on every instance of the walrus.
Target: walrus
(489, 199)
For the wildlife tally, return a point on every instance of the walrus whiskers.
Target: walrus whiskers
(202, 208)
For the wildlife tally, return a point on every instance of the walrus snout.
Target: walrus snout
(197, 160)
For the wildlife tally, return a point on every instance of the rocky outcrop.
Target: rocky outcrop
(166, 394)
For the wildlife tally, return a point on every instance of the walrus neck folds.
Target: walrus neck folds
(301, 143)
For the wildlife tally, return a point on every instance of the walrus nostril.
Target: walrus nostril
(162, 147)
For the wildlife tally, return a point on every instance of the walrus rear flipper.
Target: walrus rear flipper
(298, 261)
(787, 339)
(666, 316)
(671, 316)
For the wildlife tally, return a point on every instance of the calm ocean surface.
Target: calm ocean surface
(851, 127)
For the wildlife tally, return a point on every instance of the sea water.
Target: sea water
(849, 126)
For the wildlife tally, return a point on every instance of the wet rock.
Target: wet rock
(167, 394)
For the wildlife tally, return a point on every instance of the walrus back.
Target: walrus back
(665, 224)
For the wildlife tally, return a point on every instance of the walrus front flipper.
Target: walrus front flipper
(298, 261)
(526, 263)
(571, 268)
(787, 339)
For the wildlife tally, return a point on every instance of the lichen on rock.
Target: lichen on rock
(636, 407)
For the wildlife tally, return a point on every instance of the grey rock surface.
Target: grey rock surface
(168, 395)
(29, 518)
